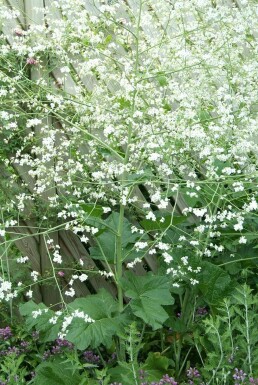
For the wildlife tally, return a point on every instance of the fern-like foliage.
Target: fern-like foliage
(229, 338)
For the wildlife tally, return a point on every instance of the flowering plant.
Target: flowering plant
(129, 152)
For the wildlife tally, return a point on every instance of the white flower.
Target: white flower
(22, 259)
(130, 265)
(242, 240)
(106, 209)
(81, 262)
(84, 239)
(154, 156)
(2, 232)
(36, 313)
(70, 293)
(34, 275)
(29, 294)
(151, 216)
(57, 257)
(140, 245)
(163, 246)
(106, 274)
(167, 257)
(184, 260)
(238, 226)
(83, 277)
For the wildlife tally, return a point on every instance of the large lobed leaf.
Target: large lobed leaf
(101, 307)
(148, 294)
(40, 322)
(106, 248)
(57, 373)
(214, 283)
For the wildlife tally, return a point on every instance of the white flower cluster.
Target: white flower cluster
(6, 292)
(163, 124)
(68, 320)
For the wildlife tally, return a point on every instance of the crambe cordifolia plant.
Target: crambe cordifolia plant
(129, 162)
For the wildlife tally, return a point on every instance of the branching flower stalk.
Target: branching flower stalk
(119, 250)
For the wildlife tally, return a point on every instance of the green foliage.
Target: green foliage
(156, 365)
(106, 240)
(128, 372)
(215, 283)
(40, 321)
(148, 294)
(103, 308)
(231, 337)
(53, 373)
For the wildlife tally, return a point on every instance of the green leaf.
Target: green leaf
(122, 373)
(148, 294)
(106, 241)
(53, 373)
(92, 210)
(158, 225)
(156, 366)
(40, 322)
(214, 283)
(103, 308)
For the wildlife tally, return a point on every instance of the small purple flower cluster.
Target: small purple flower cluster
(201, 311)
(166, 380)
(241, 378)
(112, 359)
(192, 374)
(239, 375)
(6, 333)
(15, 350)
(57, 348)
(90, 357)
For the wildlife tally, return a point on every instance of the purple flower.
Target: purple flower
(239, 375)
(6, 333)
(201, 311)
(142, 374)
(167, 380)
(11, 350)
(193, 373)
(64, 343)
(90, 357)
(35, 335)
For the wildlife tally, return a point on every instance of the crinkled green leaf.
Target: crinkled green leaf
(106, 241)
(214, 283)
(40, 322)
(156, 366)
(103, 309)
(161, 225)
(57, 373)
(148, 294)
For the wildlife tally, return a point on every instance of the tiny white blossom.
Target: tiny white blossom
(22, 259)
(242, 240)
(29, 294)
(83, 277)
(70, 293)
